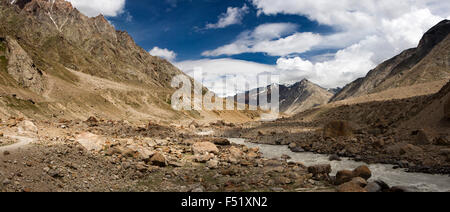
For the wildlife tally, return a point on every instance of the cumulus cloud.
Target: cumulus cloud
(94, 8)
(234, 15)
(237, 72)
(368, 32)
(164, 53)
(271, 39)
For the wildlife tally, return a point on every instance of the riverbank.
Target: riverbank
(102, 155)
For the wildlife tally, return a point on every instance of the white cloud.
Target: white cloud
(234, 15)
(93, 8)
(164, 53)
(270, 39)
(238, 72)
(368, 32)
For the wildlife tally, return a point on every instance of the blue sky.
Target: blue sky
(182, 28)
(330, 43)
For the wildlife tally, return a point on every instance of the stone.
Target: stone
(204, 147)
(221, 141)
(442, 141)
(236, 153)
(212, 164)
(252, 155)
(320, 169)
(91, 142)
(27, 128)
(447, 109)
(363, 172)
(410, 149)
(158, 160)
(334, 158)
(336, 129)
(445, 152)
(344, 176)
(297, 149)
(373, 187)
(203, 158)
(359, 181)
(292, 145)
(351, 187)
(400, 189)
(384, 186)
(423, 138)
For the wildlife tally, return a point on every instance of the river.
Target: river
(393, 177)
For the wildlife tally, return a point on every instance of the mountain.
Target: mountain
(295, 98)
(57, 62)
(429, 62)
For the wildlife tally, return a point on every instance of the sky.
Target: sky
(330, 43)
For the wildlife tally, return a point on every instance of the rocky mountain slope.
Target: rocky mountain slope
(57, 62)
(294, 98)
(429, 62)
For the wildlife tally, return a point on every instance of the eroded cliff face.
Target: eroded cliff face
(22, 68)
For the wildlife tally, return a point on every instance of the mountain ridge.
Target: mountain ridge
(426, 63)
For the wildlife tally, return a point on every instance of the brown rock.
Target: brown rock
(363, 172)
(410, 149)
(320, 169)
(204, 147)
(351, 187)
(359, 181)
(336, 129)
(221, 141)
(344, 176)
(91, 141)
(158, 160)
(447, 109)
(423, 137)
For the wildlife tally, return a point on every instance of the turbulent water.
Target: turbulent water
(393, 177)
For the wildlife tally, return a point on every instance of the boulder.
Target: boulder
(363, 172)
(320, 169)
(334, 158)
(344, 176)
(212, 164)
(373, 187)
(158, 160)
(336, 129)
(410, 149)
(91, 141)
(359, 181)
(423, 137)
(27, 128)
(442, 141)
(236, 153)
(221, 141)
(351, 187)
(204, 147)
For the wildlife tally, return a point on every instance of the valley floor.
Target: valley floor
(121, 157)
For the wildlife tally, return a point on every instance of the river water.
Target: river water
(393, 177)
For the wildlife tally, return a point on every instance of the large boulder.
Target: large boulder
(158, 160)
(91, 141)
(336, 129)
(27, 128)
(320, 172)
(344, 176)
(363, 172)
(423, 137)
(351, 187)
(201, 148)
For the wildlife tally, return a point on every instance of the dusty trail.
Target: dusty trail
(22, 142)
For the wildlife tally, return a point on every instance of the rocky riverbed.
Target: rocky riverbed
(99, 155)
